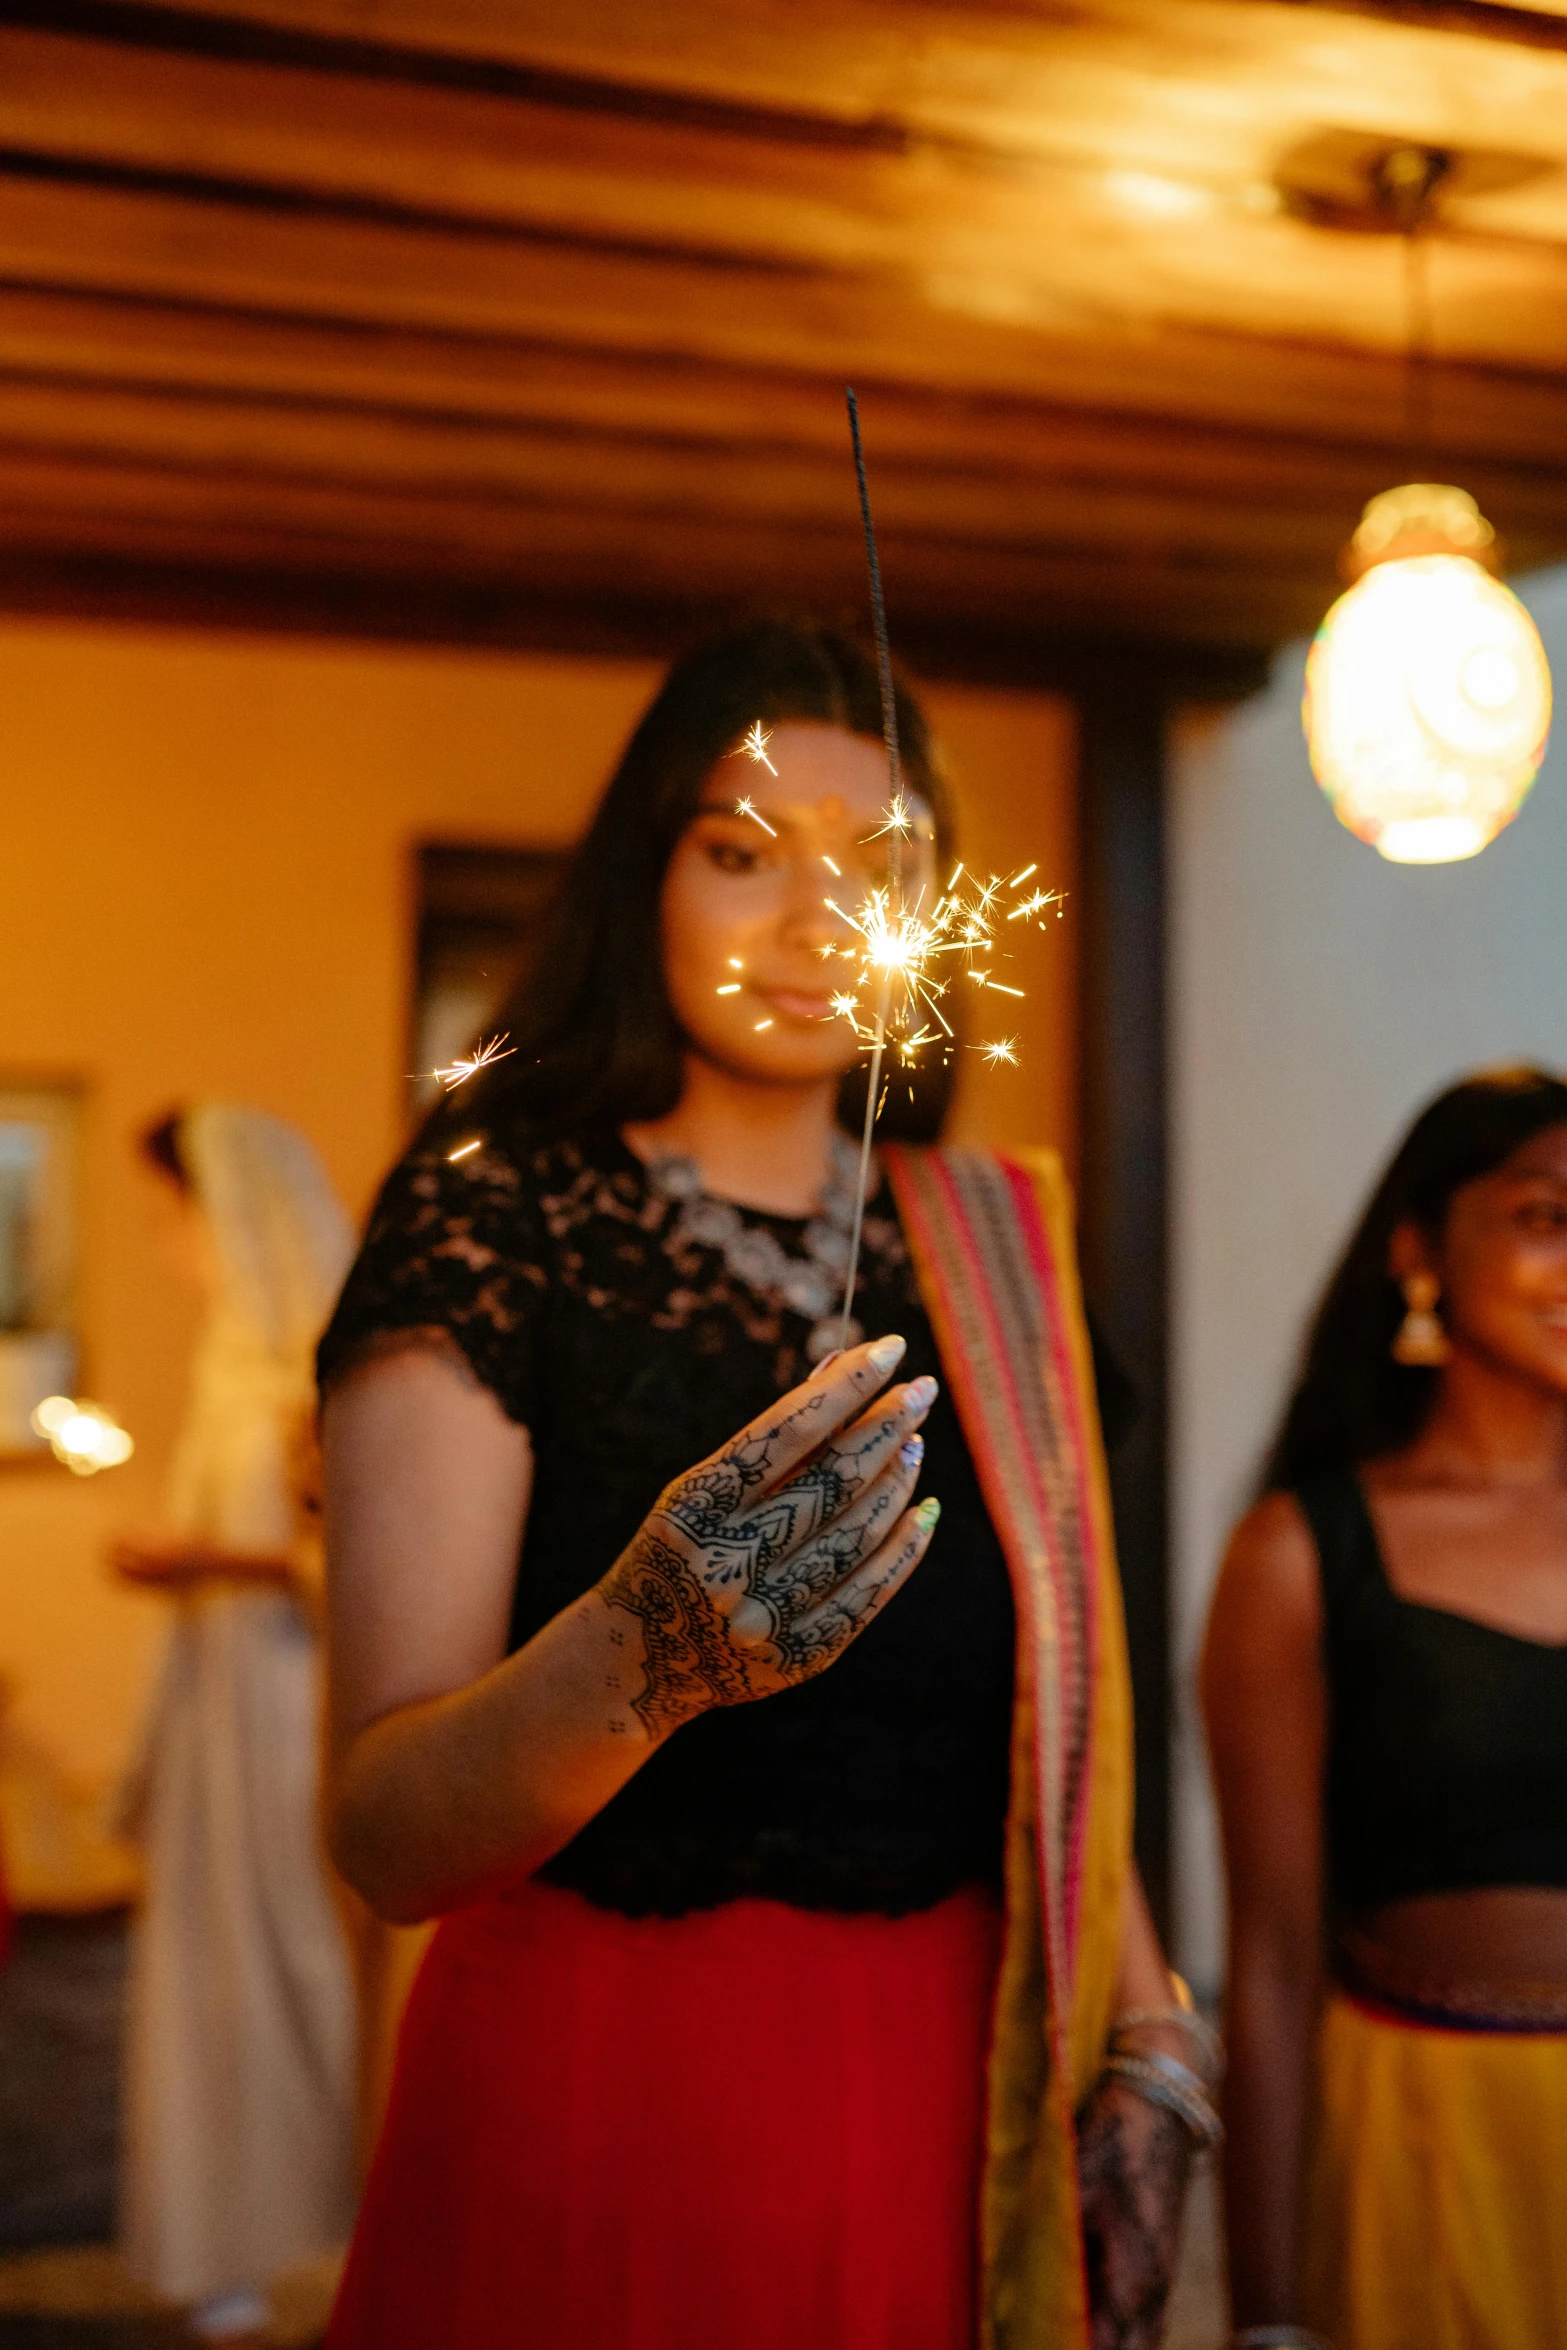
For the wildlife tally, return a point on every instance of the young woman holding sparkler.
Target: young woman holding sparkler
(1386, 1690)
(728, 2035)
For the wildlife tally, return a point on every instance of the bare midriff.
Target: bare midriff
(1465, 1950)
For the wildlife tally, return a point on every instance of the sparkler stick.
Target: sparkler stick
(895, 827)
(900, 941)
(889, 700)
(899, 980)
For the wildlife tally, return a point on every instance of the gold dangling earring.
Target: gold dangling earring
(1421, 1341)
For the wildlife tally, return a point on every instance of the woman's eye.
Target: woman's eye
(729, 857)
(1544, 1216)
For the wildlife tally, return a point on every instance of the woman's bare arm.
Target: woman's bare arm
(1266, 1707)
(175, 1563)
(453, 1771)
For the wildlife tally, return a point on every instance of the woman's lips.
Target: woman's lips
(796, 1004)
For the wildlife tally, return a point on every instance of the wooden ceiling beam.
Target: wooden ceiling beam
(263, 600)
(561, 301)
(1040, 242)
(64, 505)
(741, 485)
(411, 151)
(989, 74)
(329, 271)
(84, 340)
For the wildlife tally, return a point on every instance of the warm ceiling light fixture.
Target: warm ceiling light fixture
(1159, 196)
(1428, 695)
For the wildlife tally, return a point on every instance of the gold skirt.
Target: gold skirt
(1436, 2211)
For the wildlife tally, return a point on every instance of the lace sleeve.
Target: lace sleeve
(455, 1254)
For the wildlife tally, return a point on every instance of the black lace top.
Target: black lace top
(630, 1351)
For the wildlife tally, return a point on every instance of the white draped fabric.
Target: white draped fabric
(239, 2125)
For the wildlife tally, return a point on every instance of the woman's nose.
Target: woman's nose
(809, 920)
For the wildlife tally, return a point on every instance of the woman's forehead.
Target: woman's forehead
(806, 765)
(824, 777)
(1544, 1153)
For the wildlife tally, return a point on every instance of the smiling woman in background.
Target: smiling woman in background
(1386, 1692)
(648, 1677)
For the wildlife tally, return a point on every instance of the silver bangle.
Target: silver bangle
(1199, 2031)
(1163, 2081)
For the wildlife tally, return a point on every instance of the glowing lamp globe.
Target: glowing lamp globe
(1428, 695)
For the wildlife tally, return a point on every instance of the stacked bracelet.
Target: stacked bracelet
(1165, 2081)
(1205, 2040)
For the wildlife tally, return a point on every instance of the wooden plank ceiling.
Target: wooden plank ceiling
(466, 318)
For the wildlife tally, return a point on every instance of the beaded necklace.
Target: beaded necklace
(811, 1285)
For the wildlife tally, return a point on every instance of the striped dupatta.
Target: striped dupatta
(993, 1246)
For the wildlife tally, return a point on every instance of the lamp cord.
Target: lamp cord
(1417, 351)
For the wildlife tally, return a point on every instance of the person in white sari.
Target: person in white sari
(239, 2133)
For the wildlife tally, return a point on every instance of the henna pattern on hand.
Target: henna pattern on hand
(739, 1589)
(687, 1661)
(1133, 2158)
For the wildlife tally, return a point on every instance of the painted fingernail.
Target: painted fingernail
(825, 1364)
(886, 1352)
(923, 1392)
(928, 1512)
(912, 1451)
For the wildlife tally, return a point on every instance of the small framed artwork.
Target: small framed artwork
(40, 1180)
(479, 910)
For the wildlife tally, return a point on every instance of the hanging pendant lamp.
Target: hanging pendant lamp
(1428, 694)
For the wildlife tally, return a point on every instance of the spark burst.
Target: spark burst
(468, 1065)
(899, 818)
(905, 959)
(754, 745)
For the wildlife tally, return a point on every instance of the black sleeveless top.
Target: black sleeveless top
(1447, 1749)
(630, 1352)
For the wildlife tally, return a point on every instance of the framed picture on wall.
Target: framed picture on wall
(40, 1173)
(478, 912)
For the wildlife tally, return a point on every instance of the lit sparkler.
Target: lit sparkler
(905, 959)
(749, 808)
(468, 1065)
(900, 818)
(904, 955)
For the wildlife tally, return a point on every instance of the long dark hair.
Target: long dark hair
(594, 1038)
(1353, 1402)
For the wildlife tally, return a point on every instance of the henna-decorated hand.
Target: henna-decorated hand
(758, 1567)
(1132, 2163)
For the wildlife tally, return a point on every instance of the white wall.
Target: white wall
(1319, 996)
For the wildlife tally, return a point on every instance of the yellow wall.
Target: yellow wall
(204, 889)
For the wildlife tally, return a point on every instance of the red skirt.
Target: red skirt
(753, 2128)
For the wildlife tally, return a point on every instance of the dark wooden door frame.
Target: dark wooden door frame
(1122, 1206)
(1124, 716)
